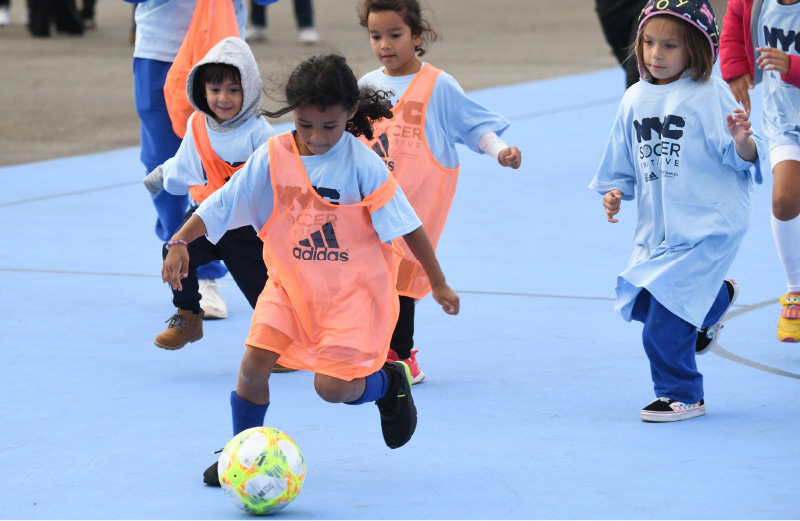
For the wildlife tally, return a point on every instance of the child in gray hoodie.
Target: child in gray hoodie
(225, 90)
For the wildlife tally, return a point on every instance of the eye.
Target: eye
(793, 299)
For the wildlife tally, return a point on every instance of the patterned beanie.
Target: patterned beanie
(696, 12)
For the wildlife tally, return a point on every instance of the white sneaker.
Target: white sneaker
(211, 301)
(5, 17)
(255, 34)
(308, 36)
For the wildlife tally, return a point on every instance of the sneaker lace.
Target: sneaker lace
(178, 322)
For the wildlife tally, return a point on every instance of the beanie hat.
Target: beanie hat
(696, 12)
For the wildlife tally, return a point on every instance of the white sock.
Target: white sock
(787, 240)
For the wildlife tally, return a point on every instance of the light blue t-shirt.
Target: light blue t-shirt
(161, 26)
(779, 27)
(670, 149)
(235, 147)
(346, 174)
(452, 117)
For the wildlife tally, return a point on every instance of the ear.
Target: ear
(417, 40)
(353, 110)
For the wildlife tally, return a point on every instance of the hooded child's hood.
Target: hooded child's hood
(230, 51)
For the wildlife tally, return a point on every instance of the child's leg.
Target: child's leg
(250, 401)
(389, 388)
(403, 339)
(242, 251)
(403, 335)
(254, 372)
(786, 230)
(785, 221)
(669, 342)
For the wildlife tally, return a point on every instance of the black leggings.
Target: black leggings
(403, 336)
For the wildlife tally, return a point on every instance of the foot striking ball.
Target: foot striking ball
(261, 470)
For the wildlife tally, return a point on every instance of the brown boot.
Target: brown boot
(184, 327)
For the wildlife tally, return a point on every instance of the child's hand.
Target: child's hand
(611, 202)
(176, 266)
(510, 156)
(773, 59)
(739, 87)
(447, 298)
(739, 126)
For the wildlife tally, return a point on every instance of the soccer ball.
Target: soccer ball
(261, 470)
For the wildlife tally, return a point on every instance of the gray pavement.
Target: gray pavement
(66, 96)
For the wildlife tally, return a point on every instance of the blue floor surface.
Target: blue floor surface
(531, 406)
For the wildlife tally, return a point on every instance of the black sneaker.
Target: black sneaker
(211, 476)
(707, 337)
(665, 410)
(398, 413)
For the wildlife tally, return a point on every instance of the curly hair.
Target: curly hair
(325, 81)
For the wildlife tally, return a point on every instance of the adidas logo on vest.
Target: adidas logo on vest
(322, 245)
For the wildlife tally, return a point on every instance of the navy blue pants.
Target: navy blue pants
(303, 13)
(241, 249)
(159, 143)
(669, 342)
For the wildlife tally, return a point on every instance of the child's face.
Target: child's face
(664, 52)
(393, 43)
(319, 130)
(224, 99)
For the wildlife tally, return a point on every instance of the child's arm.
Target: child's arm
(733, 60)
(772, 59)
(739, 87)
(421, 247)
(154, 181)
(492, 145)
(176, 263)
(612, 201)
(739, 126)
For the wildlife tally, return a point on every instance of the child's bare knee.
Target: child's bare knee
(332, 390)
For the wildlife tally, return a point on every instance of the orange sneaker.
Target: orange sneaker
(417, 376)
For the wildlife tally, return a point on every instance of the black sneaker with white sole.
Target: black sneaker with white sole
(398, 413)
(707, 337)
(665, 410)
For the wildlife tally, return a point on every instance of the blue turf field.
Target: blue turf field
(531, 407)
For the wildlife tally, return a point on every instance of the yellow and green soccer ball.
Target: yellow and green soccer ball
(261, 470)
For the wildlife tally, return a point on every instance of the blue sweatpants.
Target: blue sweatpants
(669, 342)
(159, 143)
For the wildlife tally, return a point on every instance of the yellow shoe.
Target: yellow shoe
(789, 323)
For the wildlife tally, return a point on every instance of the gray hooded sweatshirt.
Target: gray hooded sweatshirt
(230, 51)
(234, 140)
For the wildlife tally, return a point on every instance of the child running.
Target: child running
(431, 115)
(225, 89)
(777, 68)
(684, 150)
(328, 212)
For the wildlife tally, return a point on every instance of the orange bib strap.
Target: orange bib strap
(217, 171)
(429, 187)
(212, 22)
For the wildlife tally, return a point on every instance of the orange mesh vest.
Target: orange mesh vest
(212, 22)
(429, 187)
(330, 304)
(217, 171)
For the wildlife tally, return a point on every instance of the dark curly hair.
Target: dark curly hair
(411, 13)
(325, 81)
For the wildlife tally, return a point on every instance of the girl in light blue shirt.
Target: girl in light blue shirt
(686, 153)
